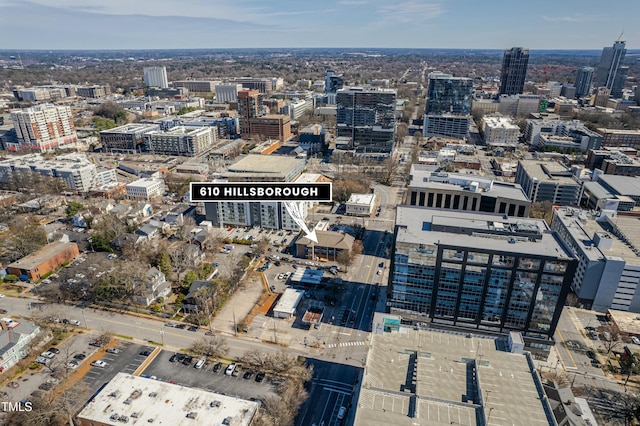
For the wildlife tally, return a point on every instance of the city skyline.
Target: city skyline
(71, 24)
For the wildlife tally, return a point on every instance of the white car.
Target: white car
(635, 340)
(99, 363)
(47, 354)
(42, 360)
(72, 365)
(1, 295)
(74, 322)
(379, 272)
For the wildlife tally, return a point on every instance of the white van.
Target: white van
(230, 369)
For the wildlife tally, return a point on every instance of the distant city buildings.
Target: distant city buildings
(448, 106)
(333, 82)
(514, 71)
(611, 73)
(612, 138)
(584, 78)
(156, 77)
(43, 128)
(366, 119)
(484, 272)
(226, 93)
(204, 86)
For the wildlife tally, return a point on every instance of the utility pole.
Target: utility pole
(235, 326)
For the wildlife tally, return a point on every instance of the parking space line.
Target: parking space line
(147, 361)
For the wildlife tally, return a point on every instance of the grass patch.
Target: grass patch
(151, 342)
(122, 336)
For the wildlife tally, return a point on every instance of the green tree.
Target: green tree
(188, 279)
(164, 264)
(73, 208)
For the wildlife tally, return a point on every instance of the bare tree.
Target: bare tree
(610, 337)
(211, 346)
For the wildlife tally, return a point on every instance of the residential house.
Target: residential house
(140, 211)
(126, 241)
(16, 340)
(148, 231)
(201, 296)
(204, 240)
(155, 285)
(178, 214)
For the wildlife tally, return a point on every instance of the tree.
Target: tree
(347, 257)
(73, 208)
(210, 346)
(542, 210)
(610, 337)
(24, 237)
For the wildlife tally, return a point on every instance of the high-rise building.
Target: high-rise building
(128, 138)
(333, 82)
(584, 77)
(448, 105)
(43, 127)
(180, 140)
(156, 77)
(367, 118)
(226, 93)
(611, 74)
(514, 71)
(249, 106)
(479, 271)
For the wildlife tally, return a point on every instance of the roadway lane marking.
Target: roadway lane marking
(575, 365)
(336, 390)
(335, 345)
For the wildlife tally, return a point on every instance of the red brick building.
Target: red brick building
(43, 261)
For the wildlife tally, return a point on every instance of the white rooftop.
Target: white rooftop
(362, 199)
(289, 301)
(148, 401)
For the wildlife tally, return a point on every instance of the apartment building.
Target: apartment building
(43, 128)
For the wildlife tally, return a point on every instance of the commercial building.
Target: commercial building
(584, 78)
(611, 73)
(329, 246)
(128, 138)
(93, 92)
(270, 126)
(44, 261)
(181, 140)
(127, 398)
(249, 106)
(573, 135)
(462, 192)
(16, 338)
(367, 118)
(620, 138)
(548, 181)
(425, 377)
(361, 204)
(622, 188)
(76, 170)
(262, 85)
(156, 77)
(613, 162)
(448, 106)
(145, 188)
(287, 306)
(43, 128)
(607, 246)
(514, 71)
(226, 93)
(333, 82)
(477, 271)
(499, 130)
(204, 86)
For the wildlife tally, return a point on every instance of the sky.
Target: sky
(186, 24)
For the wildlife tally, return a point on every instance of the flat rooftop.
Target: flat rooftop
(548, 171)
(39, 257)
(421, 377)
(277, 166)
(583, 227)
(623, 185)
(363, 199)
(145, 401)
(627, 322)
(132, 128)
(289, 301)
(420, 225)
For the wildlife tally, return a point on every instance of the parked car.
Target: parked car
(217, 367)
(259, 377)
(113, 350)
(79, 357)
(247, 375)
(47, 354)
(42, 360)
(74, 322)
(181, 326)
(145, 353)
(173, 358)
(54, 350)
(187, 360)
(635, 340)
(99, 363)
(170, 324)
(200, 363)
(72, 365)
(193, 328)
(591, 354)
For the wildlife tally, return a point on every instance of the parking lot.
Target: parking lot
(187, 375)
(126, 361)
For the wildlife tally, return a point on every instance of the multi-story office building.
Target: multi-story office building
(156, 77)
(226, 93)
(463, 192)
(188, 141)
(93, 91)
(270, 126)
(333, 82)
(479, 271)
(204, 86)
(43, 128)
(613, 162)
(611, 73)
(584, 78)
(128, 138)
(561, 133)
(249, 106)
(548, 181)
(145, 188)
(367, 118)
(262, 85)
(255, 168)
(499, 130)
(76, 170)
(312, 138)
(607, 246)
(620, 137)
(514, 71)
(448, 105)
